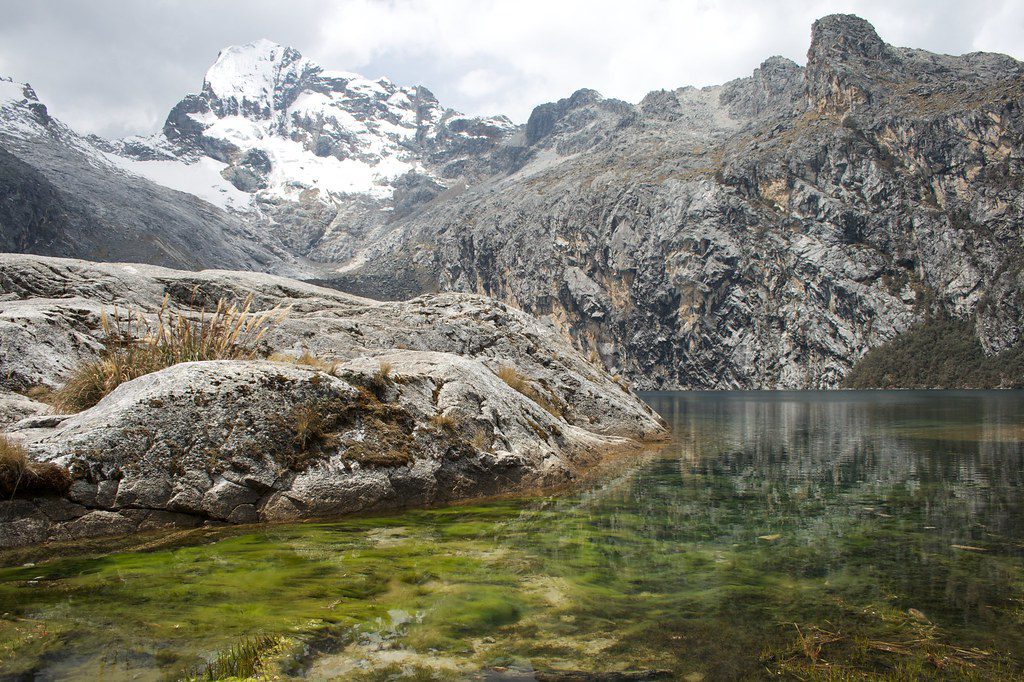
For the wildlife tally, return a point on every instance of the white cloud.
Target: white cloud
(117, 65)
(540, 50)
(480, 83)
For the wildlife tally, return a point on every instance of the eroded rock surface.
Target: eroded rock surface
(248, 441)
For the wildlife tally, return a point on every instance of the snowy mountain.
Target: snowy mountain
(65, 194)
(274, 125)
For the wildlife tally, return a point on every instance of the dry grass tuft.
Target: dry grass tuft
(377, 383)
(482, 439)
(306, 359)
(316, 428)
(13, 460)
(311, 428)
(518, 382)
(621, 383)
(445, 422)
(134, 348)
(21, 477)
(515, 380)
(39, 392)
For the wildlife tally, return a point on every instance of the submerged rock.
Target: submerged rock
(399, 404)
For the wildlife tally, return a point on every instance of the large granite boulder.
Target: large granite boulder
(368, 405)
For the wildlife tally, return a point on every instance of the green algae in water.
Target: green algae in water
(813, 536)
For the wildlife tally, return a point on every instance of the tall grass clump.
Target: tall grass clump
(134, 347)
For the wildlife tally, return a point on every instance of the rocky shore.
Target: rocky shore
(362, 405)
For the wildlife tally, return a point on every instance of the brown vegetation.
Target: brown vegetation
(445, 423)
(133, 348)
(518, 382)
(306, 359)
(317, 427)
(21, 477)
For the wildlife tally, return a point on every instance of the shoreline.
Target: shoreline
(606, 463)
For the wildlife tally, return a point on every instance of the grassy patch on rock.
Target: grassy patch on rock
(133, 347)
(521, 384)
(364, 428)
(21, 477)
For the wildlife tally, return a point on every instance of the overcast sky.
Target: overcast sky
(116, 67)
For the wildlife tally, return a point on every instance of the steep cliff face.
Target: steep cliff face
(764, 233)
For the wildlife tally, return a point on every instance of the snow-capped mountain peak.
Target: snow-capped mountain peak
(20, 108)
(286, 128)
(251, 79)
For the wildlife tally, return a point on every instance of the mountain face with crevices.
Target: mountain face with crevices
(764, 233)
(322, 160)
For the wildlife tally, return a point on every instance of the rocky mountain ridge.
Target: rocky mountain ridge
(63, 195)
(763, 233)
(768, 232)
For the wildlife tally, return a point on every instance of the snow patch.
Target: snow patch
(11, 92)
(253, 71)
(201, 179)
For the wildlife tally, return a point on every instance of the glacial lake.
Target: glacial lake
(805, 535)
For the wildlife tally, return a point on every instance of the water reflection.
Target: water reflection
(966, 448)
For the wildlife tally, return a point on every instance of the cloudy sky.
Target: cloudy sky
(116, 67)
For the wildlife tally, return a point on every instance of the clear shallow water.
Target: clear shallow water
(812, 535)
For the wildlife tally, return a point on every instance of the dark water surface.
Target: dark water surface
(803, 535)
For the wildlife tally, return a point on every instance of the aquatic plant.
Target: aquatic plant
(913, 649)
(846, 567)
(246, 660)
(133, 347)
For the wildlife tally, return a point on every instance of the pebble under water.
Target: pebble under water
(808, 535)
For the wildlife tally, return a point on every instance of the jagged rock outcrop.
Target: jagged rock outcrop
(245, 441)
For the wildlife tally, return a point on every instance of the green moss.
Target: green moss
(251, 658)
